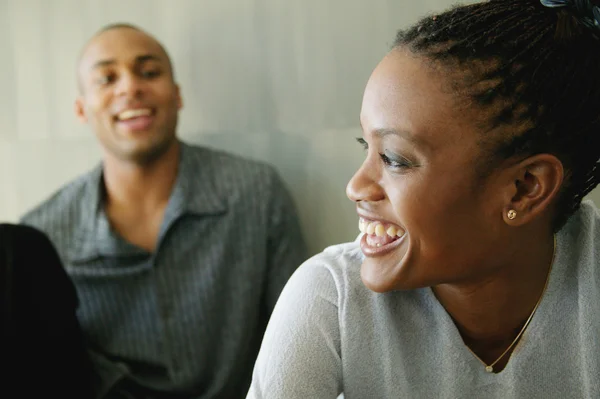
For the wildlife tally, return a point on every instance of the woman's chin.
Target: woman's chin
(393, 269)
(380, 277)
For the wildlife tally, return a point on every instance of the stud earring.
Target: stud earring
(512, 214)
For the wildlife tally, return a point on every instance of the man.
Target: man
(178, 253)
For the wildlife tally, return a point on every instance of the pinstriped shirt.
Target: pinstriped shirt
(189, 317)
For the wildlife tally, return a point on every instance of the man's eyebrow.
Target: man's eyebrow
(140, 59)
(103, 63)
(147, 57)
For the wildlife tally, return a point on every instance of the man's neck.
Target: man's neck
(490, 313)
(141, 188)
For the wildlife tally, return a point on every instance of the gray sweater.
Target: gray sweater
(330, 334)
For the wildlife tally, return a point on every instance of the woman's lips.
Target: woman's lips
(379, 237)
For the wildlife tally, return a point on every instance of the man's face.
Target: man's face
(128, 95)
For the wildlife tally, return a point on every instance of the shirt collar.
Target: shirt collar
(195, 192)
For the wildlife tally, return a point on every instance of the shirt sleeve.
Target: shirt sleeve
(286, 244)
(300, 354)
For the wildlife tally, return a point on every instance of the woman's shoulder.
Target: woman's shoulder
(582, 230)
(340, 257)
(588, 213)
(579, 245)
(331, 276)
(339, 262)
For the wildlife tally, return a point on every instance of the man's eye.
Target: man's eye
(151, 74)
(105, 80)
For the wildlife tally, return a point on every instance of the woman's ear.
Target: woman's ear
(536, 183)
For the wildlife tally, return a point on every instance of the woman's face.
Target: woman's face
(419, 183)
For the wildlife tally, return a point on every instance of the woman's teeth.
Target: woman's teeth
(379, 229)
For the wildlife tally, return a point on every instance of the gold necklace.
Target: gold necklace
(490, 367)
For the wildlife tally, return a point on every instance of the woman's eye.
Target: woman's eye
(363, 143)
(390, 160)
(395, 162)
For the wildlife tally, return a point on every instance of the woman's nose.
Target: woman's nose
(364, 185)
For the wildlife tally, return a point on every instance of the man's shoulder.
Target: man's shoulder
(223, 162)
(230, 171)
(62, 209)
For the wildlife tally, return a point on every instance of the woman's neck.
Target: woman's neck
(489, 313)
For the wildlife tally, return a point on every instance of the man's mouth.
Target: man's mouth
(135, 120)
(133, 113)
(379, 234)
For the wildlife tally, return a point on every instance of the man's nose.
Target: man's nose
(129, 85)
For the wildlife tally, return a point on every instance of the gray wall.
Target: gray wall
(277, 80)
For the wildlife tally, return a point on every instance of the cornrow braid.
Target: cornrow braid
(536, 68)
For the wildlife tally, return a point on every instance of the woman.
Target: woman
(477, 271)
(42, 349)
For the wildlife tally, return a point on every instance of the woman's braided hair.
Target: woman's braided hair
(541, 79)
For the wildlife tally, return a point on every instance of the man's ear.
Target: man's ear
(536, 182)
(179, 98)
(80, 110)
